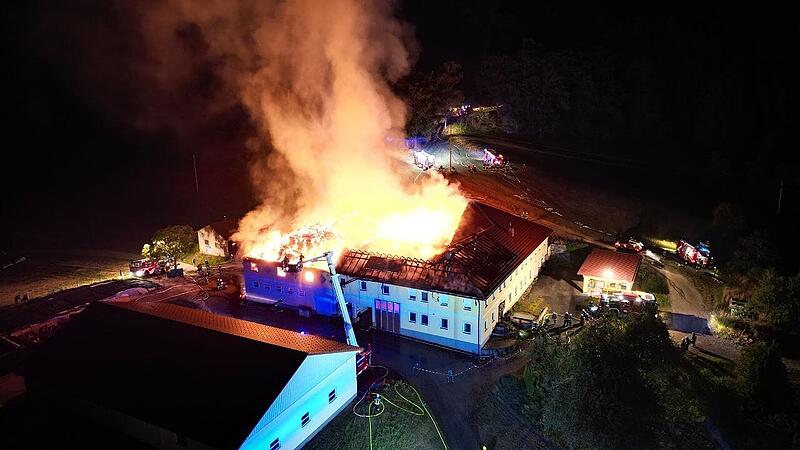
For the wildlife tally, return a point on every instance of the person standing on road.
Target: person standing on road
(685, 343)
(694, 339)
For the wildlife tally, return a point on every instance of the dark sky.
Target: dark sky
(83, 170)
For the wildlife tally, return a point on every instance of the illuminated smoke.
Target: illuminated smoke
(315, 77)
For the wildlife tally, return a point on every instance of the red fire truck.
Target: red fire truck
(490, 159)
(699, 255)
(146, 267)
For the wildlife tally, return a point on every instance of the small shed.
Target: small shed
(609, 271)
(215, 238)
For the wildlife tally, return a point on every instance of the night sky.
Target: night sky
(97, 159)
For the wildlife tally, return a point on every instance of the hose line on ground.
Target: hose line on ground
(421, 409)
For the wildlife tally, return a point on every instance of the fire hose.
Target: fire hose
(419, 409)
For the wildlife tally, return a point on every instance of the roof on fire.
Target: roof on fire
(205, 376)
(623, 266)
(486, 248)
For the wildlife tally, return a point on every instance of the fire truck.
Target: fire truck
(699, 255)
(490, 159)
(146, 267)
(632, 245)
(423, 160)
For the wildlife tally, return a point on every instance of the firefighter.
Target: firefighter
(685, 343)
(694, 339)
(554, 317)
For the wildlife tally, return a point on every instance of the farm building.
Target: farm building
(454, 300)
(215, 239)
(608, 271)
(174, 377)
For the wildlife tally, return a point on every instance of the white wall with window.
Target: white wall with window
(322, 387)
(469, 321)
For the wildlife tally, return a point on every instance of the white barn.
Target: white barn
(215, 239)
(456, 299)
(174, 377)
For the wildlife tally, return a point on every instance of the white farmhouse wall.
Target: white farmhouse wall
(211, 243)
(307, 392)
(480, 314)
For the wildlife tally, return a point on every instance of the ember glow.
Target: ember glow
(316, 78)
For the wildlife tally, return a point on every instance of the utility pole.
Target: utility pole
(780, 196)
(196, 183)
(450, 150)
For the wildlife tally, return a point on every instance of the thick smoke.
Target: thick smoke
(315, 76)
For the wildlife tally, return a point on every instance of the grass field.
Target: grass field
(396, 424)
(46, 272)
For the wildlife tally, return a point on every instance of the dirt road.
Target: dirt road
(684, 296)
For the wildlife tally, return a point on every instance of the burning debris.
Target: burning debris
(305, 241)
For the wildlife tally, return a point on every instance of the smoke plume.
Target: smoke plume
(316, 79)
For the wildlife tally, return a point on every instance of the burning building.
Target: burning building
(453, 299)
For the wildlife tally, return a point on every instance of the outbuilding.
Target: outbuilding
(215, 239)
(175, 377)
(609, 271)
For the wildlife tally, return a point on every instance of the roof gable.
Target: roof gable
(622, 266)
(225, 228)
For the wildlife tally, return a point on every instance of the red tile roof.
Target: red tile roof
(487, 246)
(623, 265)
(292, 340)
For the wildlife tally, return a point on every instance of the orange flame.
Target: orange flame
(316, 78)
(418, 225)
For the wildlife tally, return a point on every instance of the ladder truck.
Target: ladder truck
(364, 356)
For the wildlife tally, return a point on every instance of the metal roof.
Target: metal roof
(209, 378)
(487, 246)
(623, 266)
(292, 340)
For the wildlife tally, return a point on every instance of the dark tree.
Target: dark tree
(599, 391)
(430, 95)
(762, 376)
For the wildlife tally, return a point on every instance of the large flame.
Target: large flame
(316, 78)
(417, 224)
